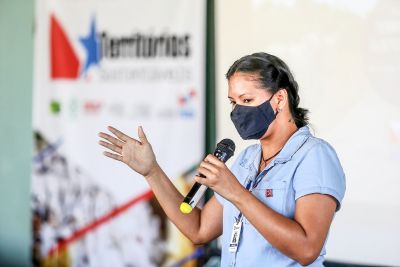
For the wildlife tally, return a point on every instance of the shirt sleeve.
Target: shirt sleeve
(320, 171)
(219, 198)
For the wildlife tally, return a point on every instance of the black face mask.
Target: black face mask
(253, 122)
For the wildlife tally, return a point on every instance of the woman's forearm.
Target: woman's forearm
(170, 199)
(285, 234)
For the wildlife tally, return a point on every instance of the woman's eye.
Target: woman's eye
(233, 103)
(246, 100)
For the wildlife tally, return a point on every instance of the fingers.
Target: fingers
(211, 168)
(207, 173)
(142, 135)
(202, 180)
(208, 166)
(111, 139)
(119, 134)
(112, 155)
(112, 147)
(214, 160)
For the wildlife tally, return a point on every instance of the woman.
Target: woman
(275, 205)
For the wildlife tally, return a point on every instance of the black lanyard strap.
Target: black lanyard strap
(255, 184)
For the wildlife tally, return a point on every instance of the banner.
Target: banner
(125, 64)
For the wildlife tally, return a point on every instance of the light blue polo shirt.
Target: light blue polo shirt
(305, 165)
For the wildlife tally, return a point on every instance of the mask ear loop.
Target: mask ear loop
(271, 97)
(278, 110)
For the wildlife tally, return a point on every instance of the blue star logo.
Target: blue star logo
(91, 45)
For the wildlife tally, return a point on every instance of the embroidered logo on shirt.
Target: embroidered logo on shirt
(269, 193)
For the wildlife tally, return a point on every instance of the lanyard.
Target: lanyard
(237, 226)
(252, 185)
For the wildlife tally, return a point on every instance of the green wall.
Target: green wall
(16, 57)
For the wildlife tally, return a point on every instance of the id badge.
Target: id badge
(233, 245)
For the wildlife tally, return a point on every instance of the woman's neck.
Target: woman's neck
(277, 139)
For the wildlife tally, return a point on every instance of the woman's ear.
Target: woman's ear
(282, 98)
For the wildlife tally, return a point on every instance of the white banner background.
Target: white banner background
(164, 94)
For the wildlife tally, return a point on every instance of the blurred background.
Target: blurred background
(68, 69)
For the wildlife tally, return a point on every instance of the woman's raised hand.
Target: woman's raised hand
(138, 155)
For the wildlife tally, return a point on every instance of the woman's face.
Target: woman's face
(244, 89)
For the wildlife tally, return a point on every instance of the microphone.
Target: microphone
(223, 152)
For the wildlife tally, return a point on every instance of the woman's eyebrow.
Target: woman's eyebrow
(238, 96)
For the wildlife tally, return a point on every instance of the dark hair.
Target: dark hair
(274, 75)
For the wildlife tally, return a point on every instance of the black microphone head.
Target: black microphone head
(226, 147)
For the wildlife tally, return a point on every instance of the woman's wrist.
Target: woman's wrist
(153, 171)
(238, 195)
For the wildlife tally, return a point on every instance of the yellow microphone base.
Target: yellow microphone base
(185, 208)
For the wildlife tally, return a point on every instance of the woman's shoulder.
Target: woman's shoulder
(319, 170)
(319, 150)
(317, 143)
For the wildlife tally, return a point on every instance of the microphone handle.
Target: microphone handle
(198, 190)
(195, 194)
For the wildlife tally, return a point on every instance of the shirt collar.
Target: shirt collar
(289, 149)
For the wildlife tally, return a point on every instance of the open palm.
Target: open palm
(138, 155)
